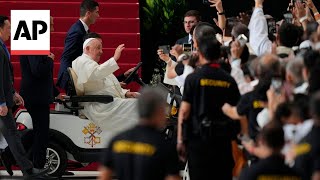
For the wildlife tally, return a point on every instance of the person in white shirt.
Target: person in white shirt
(287, 35)
(95, 79)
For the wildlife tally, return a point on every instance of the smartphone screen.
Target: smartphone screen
(276, 84)
(165, 48)
(271, 26)
(187, 48)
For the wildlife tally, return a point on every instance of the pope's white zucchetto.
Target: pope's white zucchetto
(86, 42)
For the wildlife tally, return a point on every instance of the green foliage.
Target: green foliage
(161, 25)
(163, 14)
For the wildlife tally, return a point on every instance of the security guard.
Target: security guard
(308, 150)
(271, 166)
(142, 153)
(207, 130)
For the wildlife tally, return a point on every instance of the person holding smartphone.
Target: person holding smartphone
(288, 34)
(191, 18)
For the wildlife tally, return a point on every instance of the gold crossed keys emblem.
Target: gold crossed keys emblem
(91, 131)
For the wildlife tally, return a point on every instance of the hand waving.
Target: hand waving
(217, 4)
(118, 51)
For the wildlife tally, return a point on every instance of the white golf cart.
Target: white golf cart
(71, 135)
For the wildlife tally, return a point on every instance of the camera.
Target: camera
(165, 48)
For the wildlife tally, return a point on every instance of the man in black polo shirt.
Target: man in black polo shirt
(252, 103)
(142, 153)
(308, 150)
(208, 131)
(271, 166)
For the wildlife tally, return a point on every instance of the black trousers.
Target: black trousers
(40, 121)
(210, 160)
(13, 139)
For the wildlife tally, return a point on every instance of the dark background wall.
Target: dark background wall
(233, 7)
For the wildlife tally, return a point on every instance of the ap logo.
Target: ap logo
(30, 32)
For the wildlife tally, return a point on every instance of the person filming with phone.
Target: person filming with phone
(191, 18)
(286, 37)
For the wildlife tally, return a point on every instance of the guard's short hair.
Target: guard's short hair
(194, 13)
(2, 20)
(272, 134)
(203, 30)
(88, 5)
(208, 45)
(149, 102)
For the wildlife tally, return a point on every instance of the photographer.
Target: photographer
(207, 130)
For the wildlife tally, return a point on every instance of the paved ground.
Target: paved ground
(78, 175)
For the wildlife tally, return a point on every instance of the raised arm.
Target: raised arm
(258, 27)
(221, 14)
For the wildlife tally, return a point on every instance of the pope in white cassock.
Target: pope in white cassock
(95, 79)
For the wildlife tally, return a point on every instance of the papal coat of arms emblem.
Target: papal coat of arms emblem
(92, 131)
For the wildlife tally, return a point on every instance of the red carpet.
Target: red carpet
(106, 25)
(118, 23)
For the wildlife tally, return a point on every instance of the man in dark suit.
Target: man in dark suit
(89, 12)
(191, 18)
(38, 91)
(8, 97)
